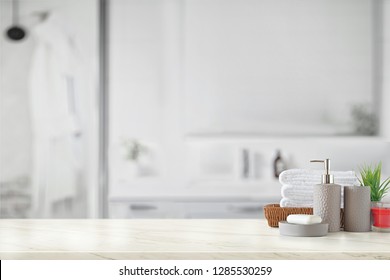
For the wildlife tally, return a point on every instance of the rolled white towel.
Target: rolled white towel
(311, 177)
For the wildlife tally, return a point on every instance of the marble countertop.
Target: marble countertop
(178, 239)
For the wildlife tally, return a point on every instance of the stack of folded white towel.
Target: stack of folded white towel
(297, 185)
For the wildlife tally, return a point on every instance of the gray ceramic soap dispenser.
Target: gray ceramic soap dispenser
(327, 199)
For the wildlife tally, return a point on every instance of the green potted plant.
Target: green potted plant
(134, 150)
(371, 176)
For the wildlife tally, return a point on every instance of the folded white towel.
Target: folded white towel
(299, 192)
(310, 177)
(286, 202)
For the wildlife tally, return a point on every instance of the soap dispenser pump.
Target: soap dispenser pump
(327, 199)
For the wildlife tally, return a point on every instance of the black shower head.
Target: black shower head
(16, 33)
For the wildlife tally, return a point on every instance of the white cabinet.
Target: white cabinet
(184, 210)
(224, 210)
(145, 210)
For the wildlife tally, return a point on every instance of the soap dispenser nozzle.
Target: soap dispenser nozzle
(327, 178)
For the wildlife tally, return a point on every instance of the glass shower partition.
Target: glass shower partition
(49, 110)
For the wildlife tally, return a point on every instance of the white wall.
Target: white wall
(145, 95)
(386, 70)
(386, 82)
(265, 66)
(150, 81)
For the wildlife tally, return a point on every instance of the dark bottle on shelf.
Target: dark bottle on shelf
(279, 164)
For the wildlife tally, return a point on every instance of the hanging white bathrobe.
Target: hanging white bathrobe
(55, 123)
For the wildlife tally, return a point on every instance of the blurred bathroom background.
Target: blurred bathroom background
(178, 108)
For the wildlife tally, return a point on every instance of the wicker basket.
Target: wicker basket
(274, 213)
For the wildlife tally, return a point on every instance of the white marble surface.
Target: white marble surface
(178, 239)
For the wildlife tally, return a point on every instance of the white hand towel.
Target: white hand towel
(312, 177)
(292, 190)
(298, 192)
(286, 202)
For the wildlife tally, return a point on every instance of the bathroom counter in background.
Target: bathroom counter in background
(247, 190)
(205, 200)
(178, 239)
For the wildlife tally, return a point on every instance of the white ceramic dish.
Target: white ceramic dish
(313, 230)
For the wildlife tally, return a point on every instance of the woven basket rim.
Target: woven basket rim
(277, 206)
(275, 213)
